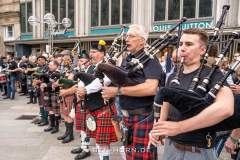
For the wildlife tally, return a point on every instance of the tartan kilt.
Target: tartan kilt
(45, 103)
(65, 108)
(40, 99)
(105, 132)
(141, 125)
(54, 104)
(39, 96)
(80, 118)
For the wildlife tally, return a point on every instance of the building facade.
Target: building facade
(9, 25)
(102, 19)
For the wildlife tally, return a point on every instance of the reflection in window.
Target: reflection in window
(71, 11)
(104, 12)
(115, 9)
(94, 12)
(173, 9)
(120, 12)
(23, 18)
(59, 9)
(29, 13)
(47, 6)
(55, 9)
(159, 10)
(62, 9)
(205, 8)
(127, 11)
(189, 8)
(25, 12)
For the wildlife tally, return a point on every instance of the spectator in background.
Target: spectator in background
(12, 73)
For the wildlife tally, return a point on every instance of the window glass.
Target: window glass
(189, 8)
(127, 11)
(23, 17)
(115, 12)
(71, 11)
(160, 6)
(94, 12)
(205, 8)
(173, 9)
(104, 12)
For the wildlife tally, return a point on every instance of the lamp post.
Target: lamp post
(52, 24)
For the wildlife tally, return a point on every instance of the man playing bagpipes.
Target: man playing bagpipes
(183, 139)
(27, 68)
(31, 90)
(52, 100)
(80, 117)
(99, 117)
(22, 75)
(39, 78)
(66, 104)
(136, 100)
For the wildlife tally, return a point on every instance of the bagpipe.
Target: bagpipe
(122, 77)
(117, 48)
(41, 72)
(192, 101)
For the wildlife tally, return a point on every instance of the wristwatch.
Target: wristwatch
(119, 91)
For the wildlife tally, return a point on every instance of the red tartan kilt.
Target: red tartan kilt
(65, 108)
(80, 119)
(45, 103)
(141, 126)
(105, 132)
(55, 106)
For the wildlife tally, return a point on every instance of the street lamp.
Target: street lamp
(52, 24)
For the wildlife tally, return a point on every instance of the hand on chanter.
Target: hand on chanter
(166, 128)
(155, 140)
(109, 92)
(81, 91)
(235, 88)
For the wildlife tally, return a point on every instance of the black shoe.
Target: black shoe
(43, 124)
(76, 150)
(6, 97)
(68, 139)
(29, 102)
(56, 124)
(55, 130)
(62, 137)
(65, 134)
(48, 129)
(82, 155)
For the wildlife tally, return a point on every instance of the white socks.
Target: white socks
(84, 143)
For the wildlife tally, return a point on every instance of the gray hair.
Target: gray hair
(139, 30)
